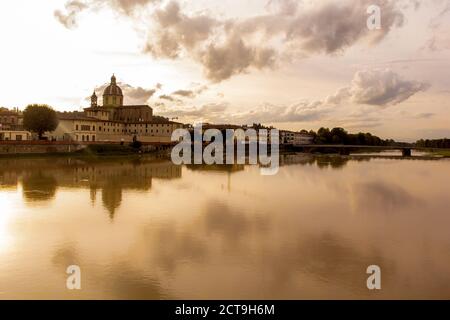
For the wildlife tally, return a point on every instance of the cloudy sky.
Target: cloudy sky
(292, 64)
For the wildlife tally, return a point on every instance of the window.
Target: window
(76, 127)
(19, 137)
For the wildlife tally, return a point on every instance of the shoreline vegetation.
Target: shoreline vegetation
(324, 138)
(99, 151)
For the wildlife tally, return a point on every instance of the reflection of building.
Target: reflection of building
(114, 121)
(40, 179)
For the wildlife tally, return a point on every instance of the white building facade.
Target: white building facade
(113, 122)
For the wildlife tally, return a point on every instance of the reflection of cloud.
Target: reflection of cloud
(382, 197)
(330, 258)
(65, 256)
(222, 230)
(220, 218)
(124, 282)
(121, 281)
(178, 247)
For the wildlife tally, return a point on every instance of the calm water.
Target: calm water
(149, 229)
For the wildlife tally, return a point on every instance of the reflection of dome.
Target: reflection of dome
(112, 196)
(112, 96)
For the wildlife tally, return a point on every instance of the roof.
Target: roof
(75, 115)
(220, 126)
(103, 108)
(155, 120)
(133, 106)
(8, 113)
(113, 89)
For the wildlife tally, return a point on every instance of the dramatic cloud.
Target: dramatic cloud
(73, 8)
(368, 88)
(132, 95)
(128, 6)
(439, 25)
(166, 97)
(176, 31)
(222, 113)
(234, 57)
(184, 93)
(138, 93)
(378, 87)
(213, 112)
(191, 93)
(227, 47)
(299, 112)
(336, 25)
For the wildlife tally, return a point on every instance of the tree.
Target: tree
(39, 119)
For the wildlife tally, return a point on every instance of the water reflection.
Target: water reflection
(144, 228)
(111, 177)
(38, 186)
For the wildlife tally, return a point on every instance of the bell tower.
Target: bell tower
(94, 100)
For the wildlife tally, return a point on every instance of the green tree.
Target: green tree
(39, 119)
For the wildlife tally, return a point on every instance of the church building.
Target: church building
(113, 121)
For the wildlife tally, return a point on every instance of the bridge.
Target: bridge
(346, 149)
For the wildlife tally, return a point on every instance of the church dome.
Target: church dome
(112, 96)
(113, 89)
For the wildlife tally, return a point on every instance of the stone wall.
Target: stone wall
(38, 147)
(45, 147)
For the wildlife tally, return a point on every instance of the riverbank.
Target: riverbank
(73, 150)
(442, 153)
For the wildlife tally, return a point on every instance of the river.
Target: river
(143, 228)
